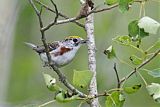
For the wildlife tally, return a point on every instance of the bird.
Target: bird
(62, 52)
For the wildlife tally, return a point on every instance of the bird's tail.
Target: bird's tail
(33, 46)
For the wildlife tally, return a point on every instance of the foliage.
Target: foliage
(135, 60)
(116, 99)
(132, 89)
(154, 91)
(124, 5)
(63, 97)
(82, 78)
(138, 29)
(51, 83)
(135, 32)
(110, 52)
(149, 25)
(111, 2)
(155, 72)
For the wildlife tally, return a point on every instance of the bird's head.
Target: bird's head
(74, 41)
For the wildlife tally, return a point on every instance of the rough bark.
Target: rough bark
(89, 25)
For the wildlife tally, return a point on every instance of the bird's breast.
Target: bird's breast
(60, 58)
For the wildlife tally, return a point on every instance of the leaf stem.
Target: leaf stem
(140, 66)
(145, 82)
(118, 80)
(44, 104)
(124, 62)
(138, 49)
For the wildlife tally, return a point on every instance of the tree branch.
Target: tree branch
(118, 79)
(42, 31)
(56, 11)
(105, 93)
(60, 14)
(68, 20)
(59, 73)
(139, 67)
(59, 22)
(89, 25)
(66, 83)
(74, 19)
(105, 9)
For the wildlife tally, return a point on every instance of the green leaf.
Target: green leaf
(123, 40)
(51, 83)
(154, 91)
(60, 97)
(133, 28)
(124, 5)
(110, 52)
(136, 60)
(82, 78)
(142, 33)
(64, 97)
(149, 25)
(157, 44)
(135, 32)
(133, 89)
(155, 73)
(111, 2)
(116, 99)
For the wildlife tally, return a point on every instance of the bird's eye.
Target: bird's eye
(75, 40)
(66, 39)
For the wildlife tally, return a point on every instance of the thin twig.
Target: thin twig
(106, 93)
(45, 104)
(124, 62)
(60, 14)
(66, 83)
(140, 66)
(56, 10)
(74, 19)
(60, 22)
(55, 19)
(104, 9)
(77, 18)
(82, 102)
(145, 82)
(42, 32)
(118, 79)
(59, 73)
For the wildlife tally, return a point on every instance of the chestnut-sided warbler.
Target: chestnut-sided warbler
(61, 52)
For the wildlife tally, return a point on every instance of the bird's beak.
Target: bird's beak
(83, 41)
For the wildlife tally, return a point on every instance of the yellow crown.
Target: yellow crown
(72, 37)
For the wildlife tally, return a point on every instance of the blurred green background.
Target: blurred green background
(26, 86)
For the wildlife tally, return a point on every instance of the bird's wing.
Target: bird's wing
(54, 45)
(51, 46)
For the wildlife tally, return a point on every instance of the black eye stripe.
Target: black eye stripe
(75, 40)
